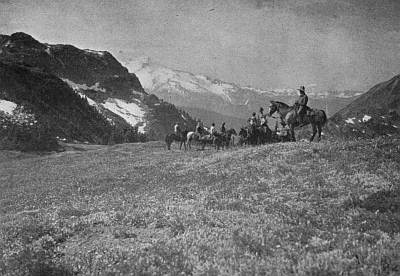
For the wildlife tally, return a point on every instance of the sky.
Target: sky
(266, 44)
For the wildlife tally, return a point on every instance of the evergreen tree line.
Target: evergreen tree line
(27, 134)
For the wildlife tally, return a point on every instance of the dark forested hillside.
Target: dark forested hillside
(84, 95)
(49, 98)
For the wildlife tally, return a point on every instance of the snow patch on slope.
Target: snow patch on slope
(366, 118)
(75, 86)
(98, 53)
(7, 106)
(90, 101)
(130, 112)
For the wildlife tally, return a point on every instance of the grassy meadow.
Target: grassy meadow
(329, 208)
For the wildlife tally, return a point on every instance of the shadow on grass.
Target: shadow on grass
(383, 201)
(48, 270)
(383, 211)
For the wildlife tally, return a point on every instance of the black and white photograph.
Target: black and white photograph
(199, 137)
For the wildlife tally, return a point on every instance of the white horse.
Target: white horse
(193, 135)
(189, 137)
(236, 140)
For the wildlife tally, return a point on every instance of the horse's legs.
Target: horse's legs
(314, 131)
(292, 133)
(319, 132)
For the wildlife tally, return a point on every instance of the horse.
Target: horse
(216, 141)
(249, 135)
(232, 131)
(225, 137)
(169, 138)
(203, 140)
(316, 117)
(236, 140)
(191, 135)
(264, 134)
(254, 134)
(244, 136)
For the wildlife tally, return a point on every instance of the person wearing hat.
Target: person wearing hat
(199, 128)
(301, 104)
(177, 129)
(253, 119)
(263, 117)
(212, 130)
(223, 129)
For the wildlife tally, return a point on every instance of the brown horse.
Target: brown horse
(169, 138)
(264, 134)
(225, 137)
(244, 136)
(249, 135)
(316, 117)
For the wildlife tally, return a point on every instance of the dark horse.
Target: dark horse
(176, 137)
(316, 117)
(225, 137)
(249, 135)
(264, 134)
(244, 135)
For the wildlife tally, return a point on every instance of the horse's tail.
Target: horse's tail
(324, 117)
(168, 141)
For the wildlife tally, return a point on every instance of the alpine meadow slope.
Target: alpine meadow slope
(329, 208)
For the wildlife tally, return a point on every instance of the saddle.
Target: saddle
(308, 110)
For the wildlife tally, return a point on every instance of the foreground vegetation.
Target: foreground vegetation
(331, 208)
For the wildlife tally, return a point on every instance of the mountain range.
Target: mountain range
(215, 100)
(89, 96)
(46, 77)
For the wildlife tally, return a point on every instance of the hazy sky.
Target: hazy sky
(335, 44)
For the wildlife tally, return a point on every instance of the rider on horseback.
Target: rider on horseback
(301, 105)
(177, 129)
(223, 129)
(212, 130)
(253, 120)
(199, 128)
(263, 120)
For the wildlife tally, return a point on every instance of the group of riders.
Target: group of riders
(261, 121)
(200, 130)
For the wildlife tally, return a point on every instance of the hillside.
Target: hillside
(374, 113)
(95, 76)
(380, 100)
(53, 103)
(138, 209)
